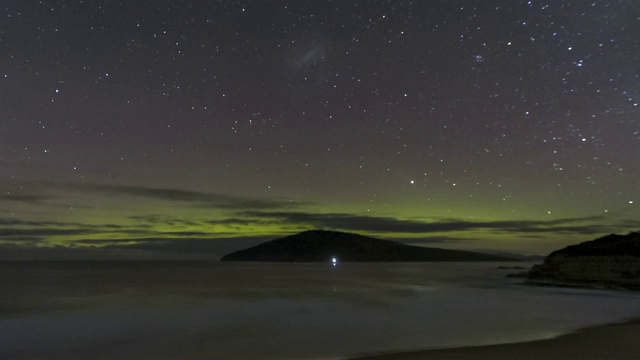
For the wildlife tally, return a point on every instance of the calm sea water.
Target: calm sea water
(279, 311)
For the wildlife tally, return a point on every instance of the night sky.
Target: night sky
(187, 129)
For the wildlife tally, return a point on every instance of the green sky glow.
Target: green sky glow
(98, 217)
(183, 129)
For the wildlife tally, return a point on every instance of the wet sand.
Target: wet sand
(615, 341)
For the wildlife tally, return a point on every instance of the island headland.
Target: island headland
(322, 246)
(612, 261)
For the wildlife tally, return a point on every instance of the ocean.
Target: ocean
(215, 310)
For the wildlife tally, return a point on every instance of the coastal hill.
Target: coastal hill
(612, 261)
(322, 246)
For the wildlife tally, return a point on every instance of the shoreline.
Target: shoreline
(609, 341)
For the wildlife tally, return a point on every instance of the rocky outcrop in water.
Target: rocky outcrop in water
(612, 261)
(322, 246)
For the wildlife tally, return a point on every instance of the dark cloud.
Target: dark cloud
(435, 240)
(173, 221)
(134, 249)
(23, 239)
(231, 221)
(37, 223)
(13, 232)
(200, 199)
(20, 222)
(164, 220)
(213, 248)
(14, 229)
(343, 221)
(194, 198)
(23, 197)
(392, 225)
(586, 229)
(188, 233)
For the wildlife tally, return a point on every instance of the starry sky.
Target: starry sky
(154, 129)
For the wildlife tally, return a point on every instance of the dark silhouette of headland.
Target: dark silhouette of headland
(612, 261)
(323, 246)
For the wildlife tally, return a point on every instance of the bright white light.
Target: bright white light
(334, 261)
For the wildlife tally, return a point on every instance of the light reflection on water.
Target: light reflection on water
(261, 310)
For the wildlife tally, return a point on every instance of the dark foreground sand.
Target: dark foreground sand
(617, 341)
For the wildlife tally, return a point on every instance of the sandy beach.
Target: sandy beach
(615, 341)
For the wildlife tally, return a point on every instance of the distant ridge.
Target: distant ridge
(612, 261)
(321, 246)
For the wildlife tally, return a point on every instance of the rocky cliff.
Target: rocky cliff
(612, 261)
